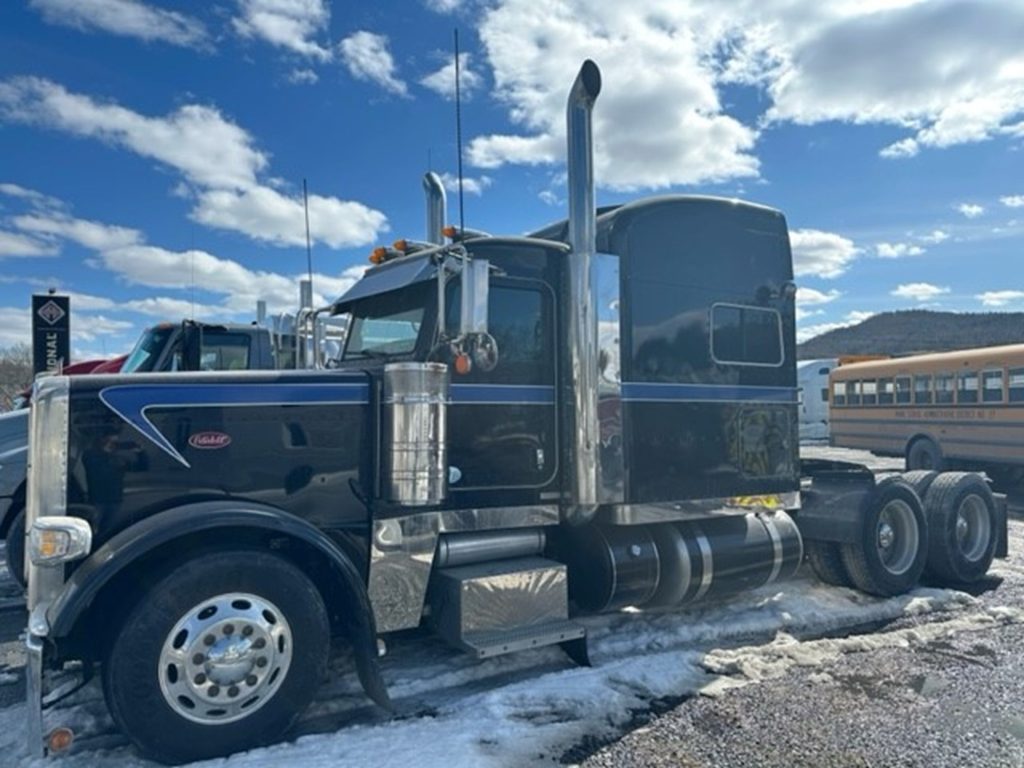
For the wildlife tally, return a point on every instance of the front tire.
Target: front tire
(221, 655)
(893, 548)
(16, 548)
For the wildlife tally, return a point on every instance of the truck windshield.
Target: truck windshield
(386, 325)
(147, 351)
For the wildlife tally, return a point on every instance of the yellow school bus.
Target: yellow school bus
(961, 409)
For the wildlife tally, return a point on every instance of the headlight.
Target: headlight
(54, 540)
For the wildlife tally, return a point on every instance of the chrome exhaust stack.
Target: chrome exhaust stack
(437, 205)
(581, 304)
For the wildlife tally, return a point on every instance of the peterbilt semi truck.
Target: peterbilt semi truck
(520, 430)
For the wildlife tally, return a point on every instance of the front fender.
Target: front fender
(146, 536)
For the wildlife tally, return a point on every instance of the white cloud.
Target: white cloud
(303, 77)
(551, 198)
(897, 250)
(970, 210)
(270, 216)
(90, 234)
(943, 73)
(442, 81)
(93, 327)
(131, 18)
(1012, 201)
(16, 244)
(821, 254)
(1000, 298)
(288, 24)
(239, 286)
(196, 140)
(170, 308)
(444, 6)
(470, 185)
(659, 121)
(810, 296)
(935, 237)
(31, 196)
(367, 57)
(15, 326)
(919, 291)
(218, 159)
(948, 71)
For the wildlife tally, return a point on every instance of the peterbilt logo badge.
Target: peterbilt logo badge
(208, 441)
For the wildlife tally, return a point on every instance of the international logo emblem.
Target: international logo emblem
(50, 312)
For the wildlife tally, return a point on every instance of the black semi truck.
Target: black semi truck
(521, 429)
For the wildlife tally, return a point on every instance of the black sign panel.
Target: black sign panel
(51, 332)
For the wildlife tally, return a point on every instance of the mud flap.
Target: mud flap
(577, 651)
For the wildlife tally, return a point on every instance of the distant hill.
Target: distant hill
(917, 330)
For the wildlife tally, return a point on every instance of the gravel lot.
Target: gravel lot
(933, 698)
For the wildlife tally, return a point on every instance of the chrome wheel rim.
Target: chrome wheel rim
(897, 537)
(973, 528)
(225, 658)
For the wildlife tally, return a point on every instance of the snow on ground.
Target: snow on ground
(528, 708)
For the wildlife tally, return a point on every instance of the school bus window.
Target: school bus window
(838, 393)
(992, 386)
(922, 390)
(853, 393)
(869, 393)
(1017, 385)
(886, 392)
(903, 390)
(967, 388)
(944, 389)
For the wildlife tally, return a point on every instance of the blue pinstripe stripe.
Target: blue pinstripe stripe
(698, 393)
(501, 394)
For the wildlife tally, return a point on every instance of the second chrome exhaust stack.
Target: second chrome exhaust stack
(581, 303)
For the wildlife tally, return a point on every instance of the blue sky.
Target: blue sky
(152, 152)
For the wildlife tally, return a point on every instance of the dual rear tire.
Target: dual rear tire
(950, 538)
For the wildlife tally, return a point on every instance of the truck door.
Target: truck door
(502, 422)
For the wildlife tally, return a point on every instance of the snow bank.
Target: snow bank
(524, 708)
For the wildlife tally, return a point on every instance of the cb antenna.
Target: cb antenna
(309, 249)
(458, 136)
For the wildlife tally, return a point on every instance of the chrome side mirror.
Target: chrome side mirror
(475, 288)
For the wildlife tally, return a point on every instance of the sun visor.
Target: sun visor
(389, 276)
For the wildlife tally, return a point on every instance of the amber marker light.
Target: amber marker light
(450, 232)
(463, 364)
(59, 740)
(401, 245)
(378, 255)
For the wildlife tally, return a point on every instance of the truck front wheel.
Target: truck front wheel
(219, 656)
(16, 548)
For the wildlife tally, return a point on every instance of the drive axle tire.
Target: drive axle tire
(920, 480)
(220, 655)
(827, 562)
(890, 556)
(16, 548)
(924, 454)
(963, 528)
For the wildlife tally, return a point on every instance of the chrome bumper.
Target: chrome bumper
(34, 647)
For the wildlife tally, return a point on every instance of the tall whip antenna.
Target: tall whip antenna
(309, 249)
(458, 135)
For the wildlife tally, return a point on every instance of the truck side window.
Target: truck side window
(742, 335)
(516, 320)
(224, 352)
